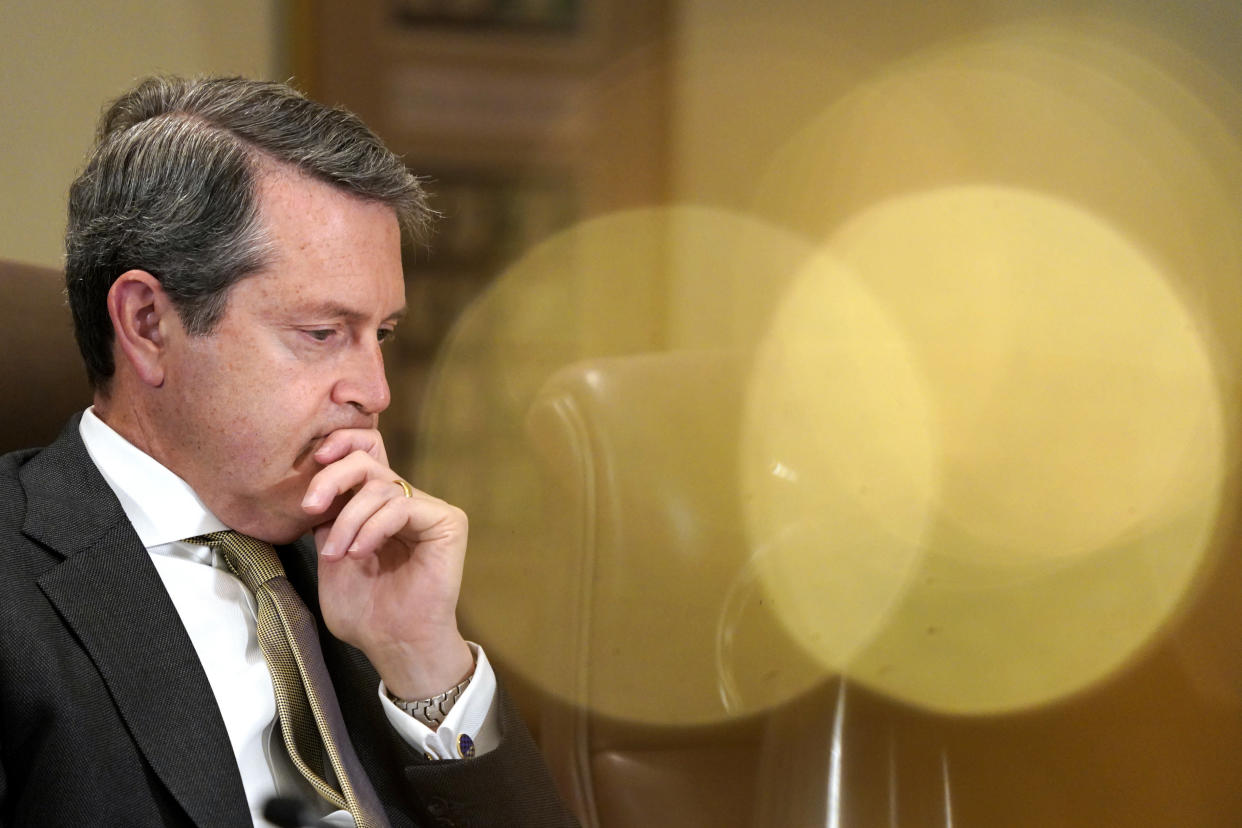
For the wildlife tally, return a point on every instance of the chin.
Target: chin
(298, 523)
(277, 533)
(274, 523)
(289, 536)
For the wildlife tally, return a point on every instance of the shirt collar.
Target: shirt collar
(161, 506)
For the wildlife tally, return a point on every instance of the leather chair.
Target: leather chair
(41, 375)
(640, 452)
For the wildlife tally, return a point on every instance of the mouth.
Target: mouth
(304, 457)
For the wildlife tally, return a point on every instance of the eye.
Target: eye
(320, 334)
(385, 334)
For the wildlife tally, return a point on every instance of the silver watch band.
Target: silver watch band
(432, 711)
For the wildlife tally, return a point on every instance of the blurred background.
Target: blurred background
(844, 394)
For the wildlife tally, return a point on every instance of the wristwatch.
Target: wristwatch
(432, 711)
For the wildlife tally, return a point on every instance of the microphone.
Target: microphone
(290, 812)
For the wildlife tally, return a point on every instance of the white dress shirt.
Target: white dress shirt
(219, 614)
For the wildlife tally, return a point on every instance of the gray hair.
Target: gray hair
(171, 188)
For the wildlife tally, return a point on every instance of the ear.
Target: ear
(142, 316)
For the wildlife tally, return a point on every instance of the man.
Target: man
(233, 269)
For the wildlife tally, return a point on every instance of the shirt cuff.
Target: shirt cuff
(470, 729)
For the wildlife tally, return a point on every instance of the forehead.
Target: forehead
(326, 245)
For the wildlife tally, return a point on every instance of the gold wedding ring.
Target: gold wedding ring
(405, 487)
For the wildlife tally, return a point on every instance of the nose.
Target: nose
(363, 383)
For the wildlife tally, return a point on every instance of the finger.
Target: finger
(320, 533)
(390, 519)
(335, 479)
(372, 517)
(344, 441)
(364, 503)
(432, 524)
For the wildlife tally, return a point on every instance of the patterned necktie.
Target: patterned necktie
(310, 718)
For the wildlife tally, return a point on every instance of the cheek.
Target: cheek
(255, 408)
(273, 428)
(229, 416)
(226, 433)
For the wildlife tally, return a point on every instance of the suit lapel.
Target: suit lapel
(109, 594)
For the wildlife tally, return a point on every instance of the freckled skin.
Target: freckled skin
(271, 419)
(252, 399)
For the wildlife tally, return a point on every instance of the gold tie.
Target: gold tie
(310, 718)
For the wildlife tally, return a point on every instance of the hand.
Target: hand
(390, 566)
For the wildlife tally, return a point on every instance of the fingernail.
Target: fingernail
(312, 500)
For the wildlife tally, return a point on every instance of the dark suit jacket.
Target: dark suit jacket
(106, 715)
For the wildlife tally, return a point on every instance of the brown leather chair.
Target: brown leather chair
(41, 375)
(640, 452)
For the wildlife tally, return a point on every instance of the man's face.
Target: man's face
(295, 357)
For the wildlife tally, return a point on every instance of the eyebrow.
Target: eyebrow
(336, 310)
